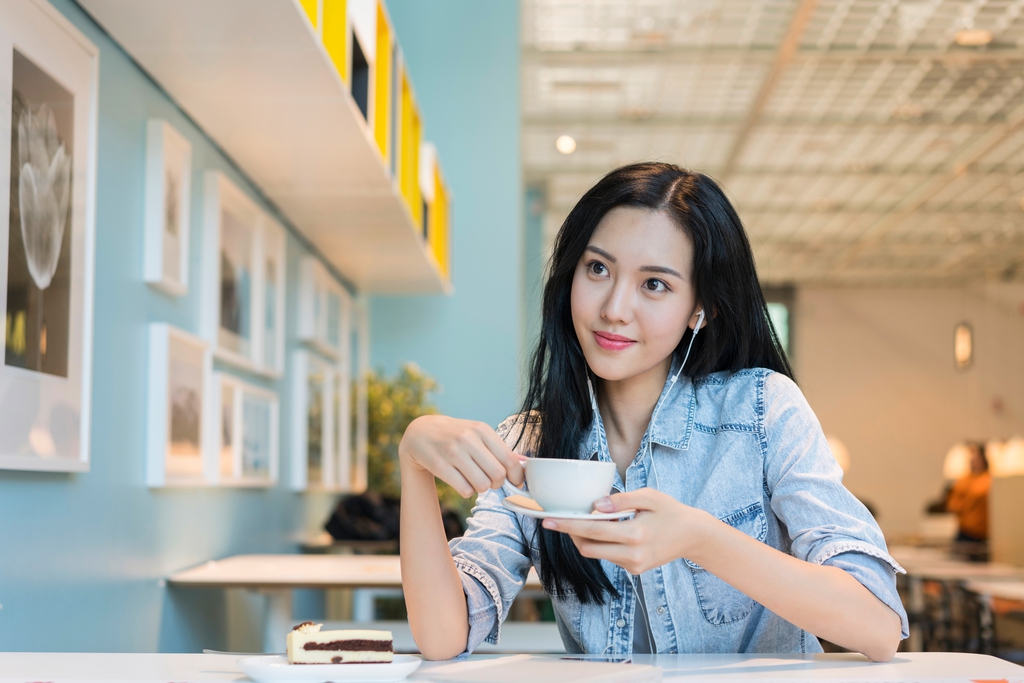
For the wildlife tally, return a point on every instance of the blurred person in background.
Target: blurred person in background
(968, 498)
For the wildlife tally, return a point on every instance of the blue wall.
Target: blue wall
(464, 59)
(82, 556)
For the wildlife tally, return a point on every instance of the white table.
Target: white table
(988, 591)
(192, 668)
(277, 575)
(932, 564)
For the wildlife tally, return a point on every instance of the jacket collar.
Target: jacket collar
(672, 419)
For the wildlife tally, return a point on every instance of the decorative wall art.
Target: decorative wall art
(324, 309)
(244, 440)
(360, 361)
(343, 424)
(168, 205)
(244, 278)
(48, 103)
(313, 460)
(179, 374)
(272, 339)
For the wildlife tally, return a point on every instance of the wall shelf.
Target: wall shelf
(257, 77)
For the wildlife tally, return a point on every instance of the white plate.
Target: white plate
(540, 514)
(276, 669)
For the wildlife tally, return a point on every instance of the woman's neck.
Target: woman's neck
(626, 406)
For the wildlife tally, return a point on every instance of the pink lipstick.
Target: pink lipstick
(612, 342)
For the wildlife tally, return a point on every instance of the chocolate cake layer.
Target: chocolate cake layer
(352, 645)
(339, 660)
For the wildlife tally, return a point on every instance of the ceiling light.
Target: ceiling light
(963, 346)
(565, 144)
(973, 37)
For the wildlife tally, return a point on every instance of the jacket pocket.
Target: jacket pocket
(720, 602)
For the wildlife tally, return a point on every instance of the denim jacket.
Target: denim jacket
(746, 448)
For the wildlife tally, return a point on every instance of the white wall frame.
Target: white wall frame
(242, 445)
(343, 414)
(324, 309)
(272, 304)
(168, 208)
(236, 303)
(180, 367)
(360, 432)
(312, 424)
(45, 411)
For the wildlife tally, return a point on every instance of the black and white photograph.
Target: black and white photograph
(185, 398)
(180, 367)
(259, 433)
(48, 90)
(236, 283)
(168, 204)
(38, 254)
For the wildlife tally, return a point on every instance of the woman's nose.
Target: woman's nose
(618, 307)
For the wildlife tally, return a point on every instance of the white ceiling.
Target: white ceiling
(859, 141)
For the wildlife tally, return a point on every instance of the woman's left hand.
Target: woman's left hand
(663, 530)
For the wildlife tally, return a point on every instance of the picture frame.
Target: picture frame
(324, 309)
(180, 367)
(313, 465)
(359, 354)
(244, 276)
(168, 208)
(48, 106)
(275, 278)
(242, 448)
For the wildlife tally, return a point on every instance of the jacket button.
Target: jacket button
(620, 623)
(661, 610)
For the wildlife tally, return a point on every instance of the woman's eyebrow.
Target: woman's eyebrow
(601, 252)
(660, 269)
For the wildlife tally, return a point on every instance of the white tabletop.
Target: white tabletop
(932, 563)
(195, 668)
(301, 571)
(1004, 590)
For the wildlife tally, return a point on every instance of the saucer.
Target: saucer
(541, 514)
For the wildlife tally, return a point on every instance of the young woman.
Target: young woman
(656, 353)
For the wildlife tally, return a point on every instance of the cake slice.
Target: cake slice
(307, 644)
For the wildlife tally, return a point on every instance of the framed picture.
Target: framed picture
(48, 106)
(272, 303)
(244, 438)
(313, 460)
(324, 309)
(343, 424)
(244, 279)
(360, 362)
(168, 206)
(180, 367)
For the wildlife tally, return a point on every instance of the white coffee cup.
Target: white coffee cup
(567, 485)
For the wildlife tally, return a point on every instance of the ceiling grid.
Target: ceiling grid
(871, 148)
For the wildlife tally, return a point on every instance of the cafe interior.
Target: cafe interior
(250, 241)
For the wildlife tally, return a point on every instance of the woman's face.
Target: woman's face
(632, 293)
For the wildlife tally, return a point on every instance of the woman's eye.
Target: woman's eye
(655, 285)
(597, 268)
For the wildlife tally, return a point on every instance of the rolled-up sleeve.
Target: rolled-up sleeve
(493, 560)
(826, 523)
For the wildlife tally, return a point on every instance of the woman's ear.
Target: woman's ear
(699, 319)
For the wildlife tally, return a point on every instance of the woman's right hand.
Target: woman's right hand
(467, 455)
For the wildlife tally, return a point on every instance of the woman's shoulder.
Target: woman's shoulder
(521, 431)
(761, 379)
(757, 393)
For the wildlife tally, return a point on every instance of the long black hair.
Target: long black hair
(739, 333)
